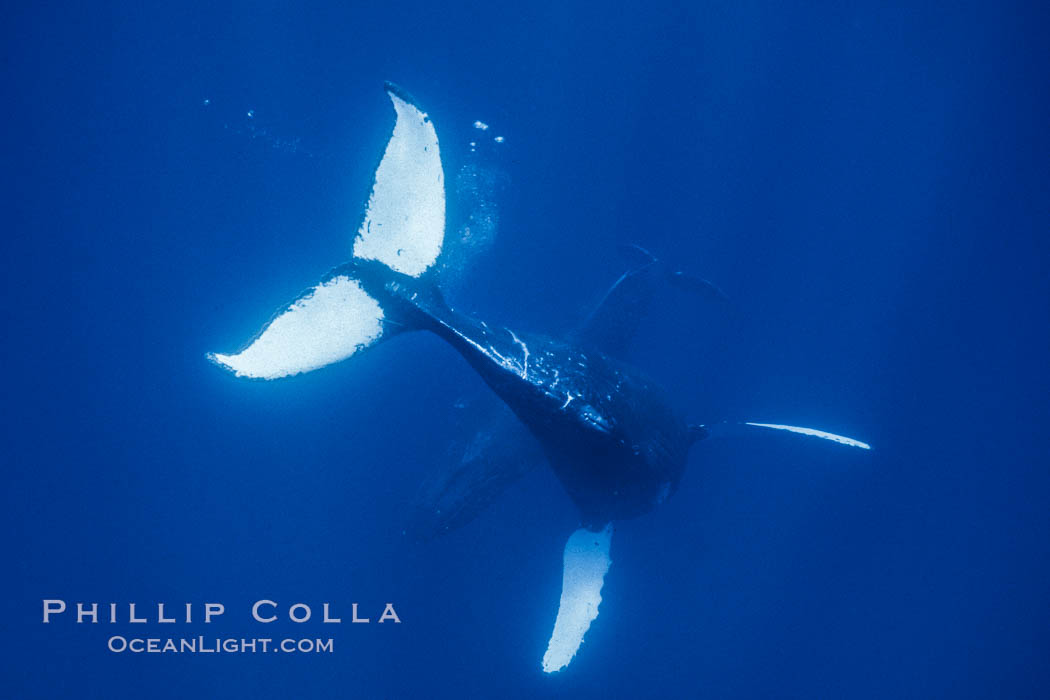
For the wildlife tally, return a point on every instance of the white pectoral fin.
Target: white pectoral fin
(404, 225)
(813, 432)
(326, 324)
(586, 563)
(729, 429)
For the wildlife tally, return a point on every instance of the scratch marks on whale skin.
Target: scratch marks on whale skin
(488, 347)
(525, 354)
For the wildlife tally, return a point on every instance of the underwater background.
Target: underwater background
(867, 181)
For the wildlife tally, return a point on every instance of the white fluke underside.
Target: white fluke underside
(327, 324)
(403, 228)
(586, 563)
(404, 224)
(815, 433)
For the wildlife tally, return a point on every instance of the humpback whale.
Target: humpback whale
(610, 433)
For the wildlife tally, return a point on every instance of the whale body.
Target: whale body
(610, 433)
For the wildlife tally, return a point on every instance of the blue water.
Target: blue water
(867, 181)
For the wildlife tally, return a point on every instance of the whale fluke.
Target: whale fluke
(586, 563)
(403, 228)
(325, 324)
(404, 224)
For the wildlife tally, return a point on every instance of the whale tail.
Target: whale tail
(397, 244)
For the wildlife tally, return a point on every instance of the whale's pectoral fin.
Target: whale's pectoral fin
(614, 322)
(729, 429)
(586, 563)
(704, 289)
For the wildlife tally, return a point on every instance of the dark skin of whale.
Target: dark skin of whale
(609, 432)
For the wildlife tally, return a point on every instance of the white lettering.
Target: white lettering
(92, 613)
(389, 614)
(213, 609)
(260, 603)
(291, 612)
(53, 606)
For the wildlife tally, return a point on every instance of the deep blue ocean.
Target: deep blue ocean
(868, 182)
